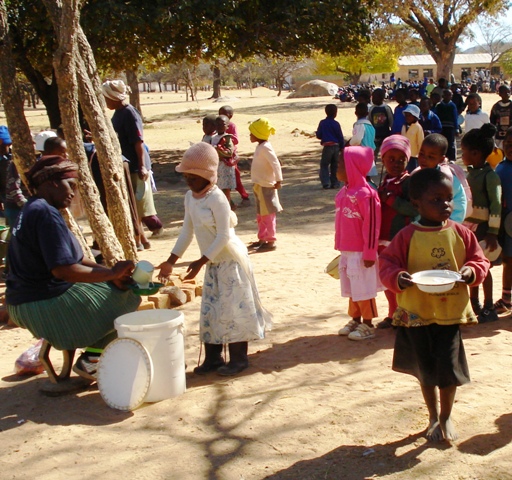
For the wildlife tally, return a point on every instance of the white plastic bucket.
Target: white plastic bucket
(161, 334)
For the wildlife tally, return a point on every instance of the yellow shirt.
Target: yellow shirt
(434, 250)
(414, 132)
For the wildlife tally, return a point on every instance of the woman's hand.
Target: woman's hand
(405, 280)
(368, 263)
(143, 173)
(122, 272)
(277, 185)
(123, 269)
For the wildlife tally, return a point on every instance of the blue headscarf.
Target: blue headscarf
(4, 135)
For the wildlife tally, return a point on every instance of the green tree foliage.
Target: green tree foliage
(440, 23)
(371, 58)
(240, 29)
(506, 62)
(123, 33)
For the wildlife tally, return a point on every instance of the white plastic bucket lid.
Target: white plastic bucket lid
(125, 373)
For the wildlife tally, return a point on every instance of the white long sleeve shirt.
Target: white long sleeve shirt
(211, 220)
(265, 167)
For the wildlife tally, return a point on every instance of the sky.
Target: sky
(505, 20)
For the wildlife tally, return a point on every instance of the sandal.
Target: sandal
(86, 366)
(502, 307)
(386, 323)
(255, 244)
(362, 332)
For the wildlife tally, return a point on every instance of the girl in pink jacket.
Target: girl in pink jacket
(357, 238)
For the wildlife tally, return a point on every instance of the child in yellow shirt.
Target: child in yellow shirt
(414, 132)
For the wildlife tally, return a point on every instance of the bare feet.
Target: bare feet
(434, 432)
(448, 429)
(439, 430)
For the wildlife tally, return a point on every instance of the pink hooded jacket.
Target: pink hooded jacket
(358, 207)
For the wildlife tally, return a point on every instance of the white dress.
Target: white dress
(231, 309)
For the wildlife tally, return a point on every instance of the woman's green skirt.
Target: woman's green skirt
(83, 316)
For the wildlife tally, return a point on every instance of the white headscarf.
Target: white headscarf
(115, 90)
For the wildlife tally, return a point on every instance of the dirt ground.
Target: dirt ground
(312, 405)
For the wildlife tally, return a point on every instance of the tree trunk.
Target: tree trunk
(250, 80)
(107, 147)
(216, 81)
(12, 98)
(444, 60)
(65, 18)
(47, 92)
(190, 81)
(133, 83)
(355, 77)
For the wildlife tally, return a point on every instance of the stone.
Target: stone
(161, 300)
(146, 305)
(176, 295)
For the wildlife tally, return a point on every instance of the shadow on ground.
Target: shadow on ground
(353, 462)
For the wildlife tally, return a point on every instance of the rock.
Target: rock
(146, 305)
(174, 281)
(190, 292)
(176, 295)
(315, 88)
(161, 300)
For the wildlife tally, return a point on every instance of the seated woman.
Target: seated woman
(52, 290)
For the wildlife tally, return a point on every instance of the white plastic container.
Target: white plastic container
(147, 362)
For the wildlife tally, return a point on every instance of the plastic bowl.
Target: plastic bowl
(491, 256)
(435, 281)
(332, 268)
(151, 290)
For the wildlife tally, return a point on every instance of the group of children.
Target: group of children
(412, 222)
(266, 173)
(436, 218)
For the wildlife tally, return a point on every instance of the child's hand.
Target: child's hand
(491, 241)
(368, 263)
(194, 268)
(405, 280)
(165, 271)
(387, 198)
(277, 185)
(87, 135)
(467, 274)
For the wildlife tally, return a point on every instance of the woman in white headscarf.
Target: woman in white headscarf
(127, 123)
